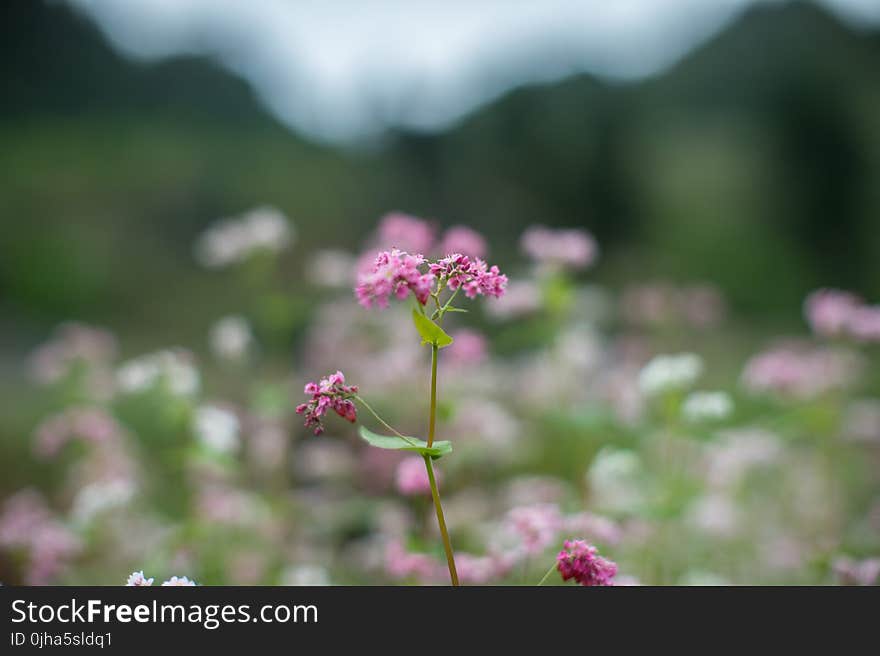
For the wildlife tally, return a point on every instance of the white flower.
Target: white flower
(735, 452)
(174, 366)
(331, 268)
(217, 428)
(138, 579)
(305, 575)
(175, 581)
(670, 372)
(714, 514)
(233, 240)
(614, 479)
(231, 338)
(707, 406)
(97, 497)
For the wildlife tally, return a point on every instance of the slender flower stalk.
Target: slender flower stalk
(382, 421)
(547, 575)
(399, 275)
(441, 521)
(433, 417)
(435, 494)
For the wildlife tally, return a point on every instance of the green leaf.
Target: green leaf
(431, 333)
(416, 445)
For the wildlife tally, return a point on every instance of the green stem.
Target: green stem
(433, 418)
(435, 494)
(547, 575)
(449, 302)
(447, 545)
(383, 422)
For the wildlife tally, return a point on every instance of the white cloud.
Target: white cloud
(345, 69)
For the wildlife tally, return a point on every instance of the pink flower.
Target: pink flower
(800, 372)
(864, 323)
(401, 564)
(27, 523)
(828, 311)
(570, 248)
(408, 233)
(72, 343)
(581, 561)
(478, 570)
(470, 348)
(536, 526)
(857, 572)
(329, 393)
(700, 305)
(394, 273)
(474, 276)
(600, 528)
(835, 313)
(412, 477)
(91, 425)
(461, 239)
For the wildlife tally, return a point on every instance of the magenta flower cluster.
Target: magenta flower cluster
(396, 273)
(581, 561)
(330, 393)
(474, 276)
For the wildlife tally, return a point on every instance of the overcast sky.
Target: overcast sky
(342, 70)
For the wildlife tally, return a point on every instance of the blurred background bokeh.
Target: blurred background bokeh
(725, 156)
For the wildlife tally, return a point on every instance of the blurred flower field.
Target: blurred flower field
(649, 422)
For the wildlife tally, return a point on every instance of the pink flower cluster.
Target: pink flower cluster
(91, 425)
(601, 528)
(397, 273)
(329, 393)
(402, 564)
(411, 477)
(536, 526)
(470, 349)
(836, 313)
(474, 276)
(461, 239)
(799, 372)
(28, 527)
(581, 561)
(857, 572)
(569, 248)
(481, 570)
(410, 233)
(394, 273)
(698, 305)
(72, 343)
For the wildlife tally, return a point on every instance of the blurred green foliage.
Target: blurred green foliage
(753, 163)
